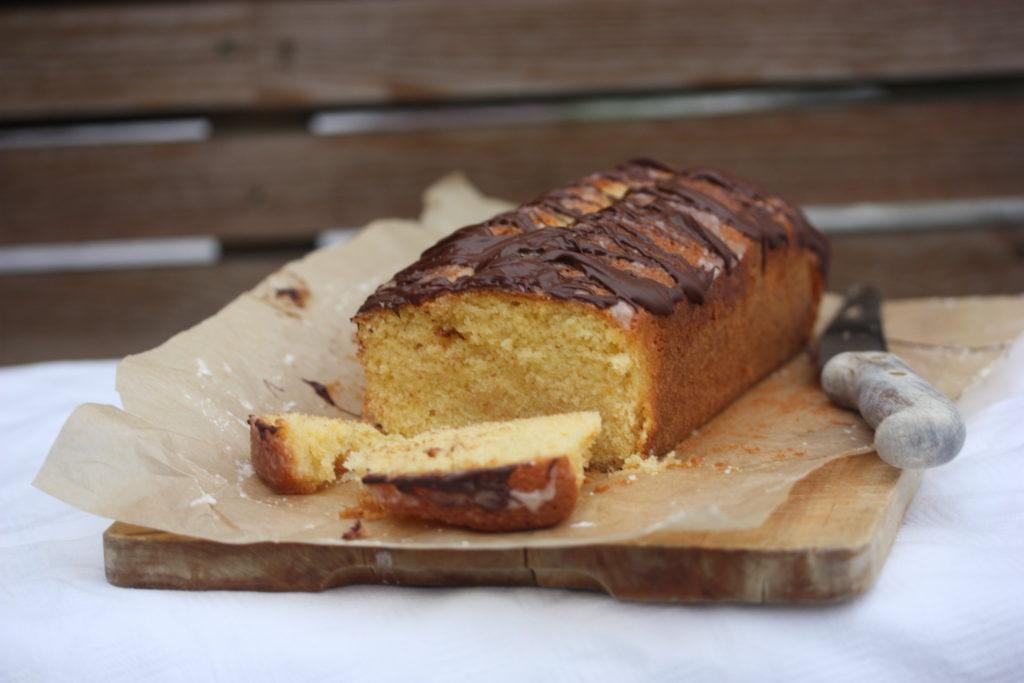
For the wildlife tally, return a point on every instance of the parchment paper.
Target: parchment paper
(176, 457)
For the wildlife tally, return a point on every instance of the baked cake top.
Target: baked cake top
(643, 233)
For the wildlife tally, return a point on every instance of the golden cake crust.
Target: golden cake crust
(703, 356)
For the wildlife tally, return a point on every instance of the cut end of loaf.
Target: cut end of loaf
(482, 356)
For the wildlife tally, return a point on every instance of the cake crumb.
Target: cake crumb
(602, 488)
(356, 532)
(353, 512)
(368, 512)
(649, 464)
(646, 464)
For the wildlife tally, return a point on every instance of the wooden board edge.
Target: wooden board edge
(666, 573)
(136, 557)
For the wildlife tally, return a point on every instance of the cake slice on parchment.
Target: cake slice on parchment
(496, 476)
(491, 476)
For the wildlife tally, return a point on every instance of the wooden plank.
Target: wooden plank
(144, 558)
(111, 314)
(271, 184)
(940, 263)
(103, 58)
(827, 542)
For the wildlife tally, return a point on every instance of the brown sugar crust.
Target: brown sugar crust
(273, 461)
(531, 495)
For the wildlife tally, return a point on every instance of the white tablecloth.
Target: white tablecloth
(949, 604)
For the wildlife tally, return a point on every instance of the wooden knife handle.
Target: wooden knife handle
(915, 425)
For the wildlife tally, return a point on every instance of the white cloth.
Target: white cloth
(949, 604)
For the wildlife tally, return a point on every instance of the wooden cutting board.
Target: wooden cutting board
(827, 542)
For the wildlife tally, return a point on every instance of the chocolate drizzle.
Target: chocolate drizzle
(321, 390)
(615, 236)
(488, 488)
(753, 198)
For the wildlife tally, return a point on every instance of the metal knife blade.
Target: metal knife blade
(915, 424)
(856, 327)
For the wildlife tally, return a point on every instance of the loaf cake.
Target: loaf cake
(650, 295)
(501, 476)
(492, 476)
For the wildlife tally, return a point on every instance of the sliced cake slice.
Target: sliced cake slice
(295, 453)
(491, 476)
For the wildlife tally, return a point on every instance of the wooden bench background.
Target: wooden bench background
(859, 102)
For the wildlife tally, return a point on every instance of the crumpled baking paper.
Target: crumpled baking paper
(176, 456)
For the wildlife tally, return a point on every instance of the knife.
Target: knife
(915, 425)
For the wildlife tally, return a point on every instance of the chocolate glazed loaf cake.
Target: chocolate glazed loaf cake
(651, 295)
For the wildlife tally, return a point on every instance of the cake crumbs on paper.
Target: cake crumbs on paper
(654, 465)
(726, 468)
(647, 464)
(354, 512)
(365, 511)
(601, 489)
(692, 462)
(356, 532)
